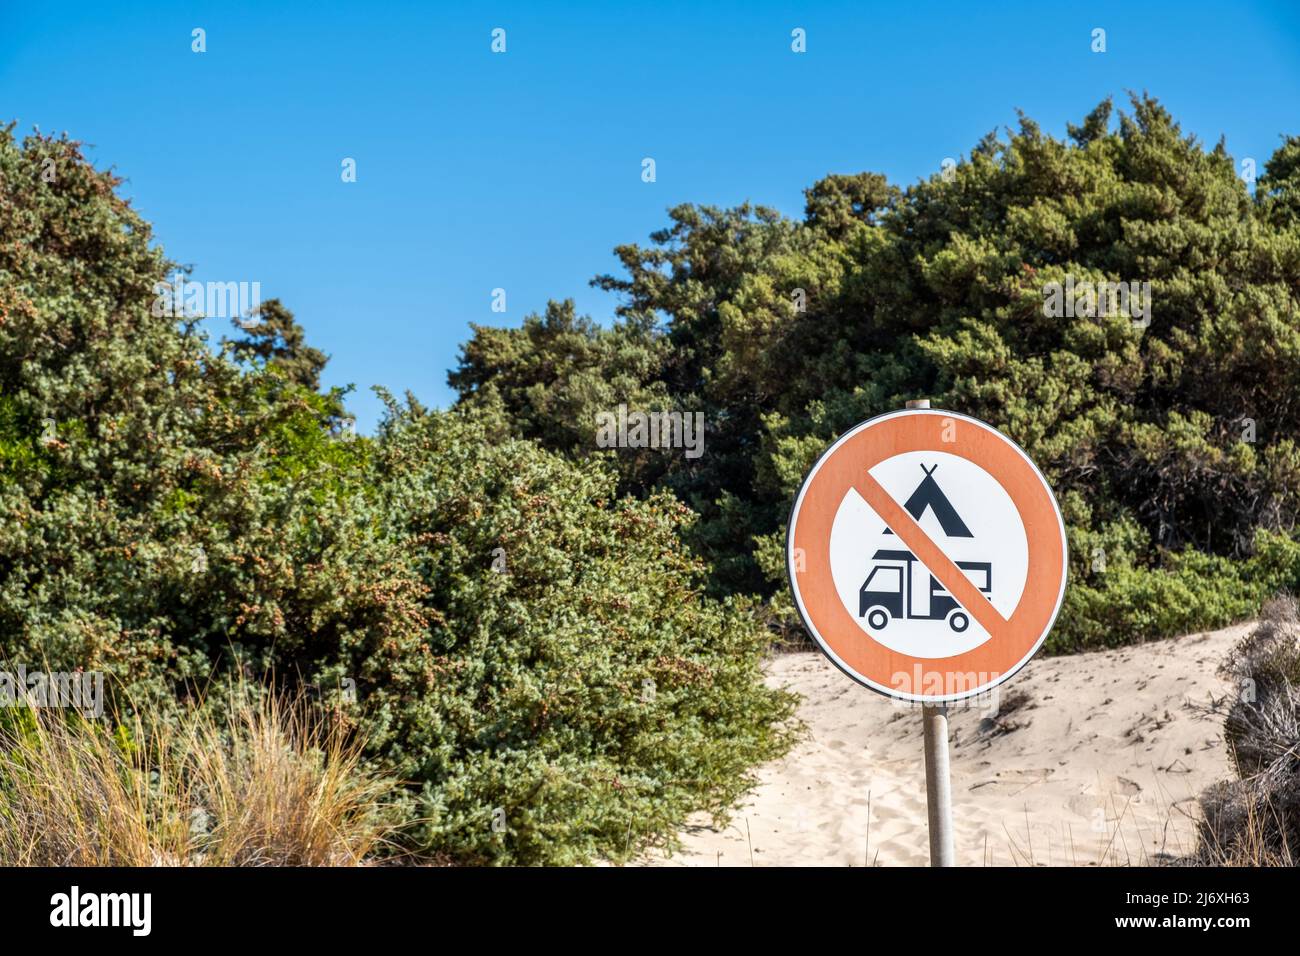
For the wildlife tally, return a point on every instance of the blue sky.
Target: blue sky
(522, 170)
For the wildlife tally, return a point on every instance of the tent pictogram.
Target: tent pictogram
(928, 494)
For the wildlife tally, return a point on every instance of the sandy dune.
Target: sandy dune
(1100, 763)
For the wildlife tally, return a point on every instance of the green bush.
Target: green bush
(579, 686)
(172, 513)
(1168, 434)
(1191, 592)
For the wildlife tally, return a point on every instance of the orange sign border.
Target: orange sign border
(844, 465)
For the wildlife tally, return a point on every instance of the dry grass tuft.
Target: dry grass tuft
(1255, 819)
(270, 785)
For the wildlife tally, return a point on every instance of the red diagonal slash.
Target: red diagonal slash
(928, 553)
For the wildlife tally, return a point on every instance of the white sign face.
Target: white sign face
(891, 594)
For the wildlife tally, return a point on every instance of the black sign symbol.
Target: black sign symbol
(891, 589)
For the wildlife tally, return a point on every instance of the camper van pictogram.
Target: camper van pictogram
(892, 590)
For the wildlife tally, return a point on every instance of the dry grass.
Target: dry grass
(1254, 839)
(270, 785)
(1255, 819)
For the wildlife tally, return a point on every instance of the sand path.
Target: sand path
(1101, 762)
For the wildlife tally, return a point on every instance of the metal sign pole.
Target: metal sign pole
(938, 783)
(938, 780)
